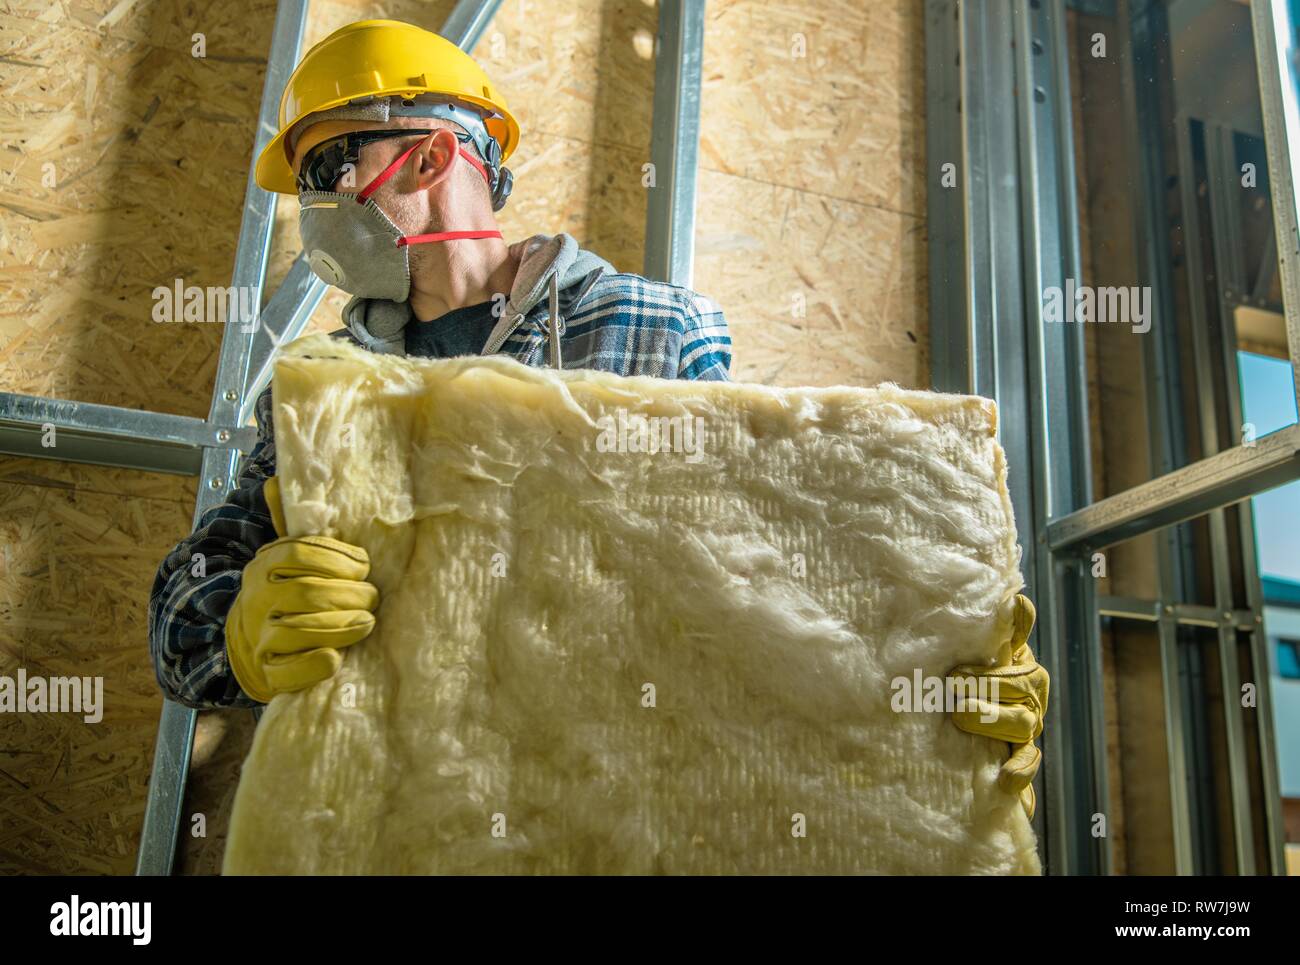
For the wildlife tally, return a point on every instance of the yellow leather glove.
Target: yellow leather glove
(1021, 704)
(302, 600)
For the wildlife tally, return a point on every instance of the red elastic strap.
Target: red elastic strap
(445, 236)
(478, 164)
(387, 172)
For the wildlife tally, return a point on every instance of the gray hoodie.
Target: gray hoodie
(379, 325)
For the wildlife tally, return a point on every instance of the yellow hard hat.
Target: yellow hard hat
(377, 58)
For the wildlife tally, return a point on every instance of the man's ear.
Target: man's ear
(438, 156)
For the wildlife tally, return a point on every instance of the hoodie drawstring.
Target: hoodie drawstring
(556, 360)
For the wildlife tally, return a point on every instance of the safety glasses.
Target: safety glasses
(327, 161)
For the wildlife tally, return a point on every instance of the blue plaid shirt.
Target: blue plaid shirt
(623, 323)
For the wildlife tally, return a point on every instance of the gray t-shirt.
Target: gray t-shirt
(461, 331)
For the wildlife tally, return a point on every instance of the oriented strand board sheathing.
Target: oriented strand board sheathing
(97, 479)
(78, 549)
(126, 166)
(589, 657)
(816, 291)
(77, 558)
(836, 83)
(820, 265)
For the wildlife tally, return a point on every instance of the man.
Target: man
(395, 141)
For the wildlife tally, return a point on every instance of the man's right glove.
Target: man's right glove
(303, 599)
(1020, 708)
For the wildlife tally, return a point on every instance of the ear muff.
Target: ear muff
(502, 179)
(501, 188)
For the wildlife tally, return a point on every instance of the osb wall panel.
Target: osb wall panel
(812, 189)
(147, 147)
(78, 547)
(818, 291)
(77, 558)
(810, 235)
(95, 479)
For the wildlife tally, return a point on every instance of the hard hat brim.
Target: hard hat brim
(274, 170)
(380, 58)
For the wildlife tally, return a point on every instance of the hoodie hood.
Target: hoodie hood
(380, 325)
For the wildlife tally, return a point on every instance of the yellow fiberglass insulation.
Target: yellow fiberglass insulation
(610, 642)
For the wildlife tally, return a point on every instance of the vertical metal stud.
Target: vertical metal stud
(1276, 62)
(675, 142)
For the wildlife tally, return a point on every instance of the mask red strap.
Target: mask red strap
(445, 236)
(478, 164)
(388, 172)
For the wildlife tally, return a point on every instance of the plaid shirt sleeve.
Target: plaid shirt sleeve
(706, 346)
(197, 583)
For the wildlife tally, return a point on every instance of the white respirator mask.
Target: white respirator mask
(349, 241)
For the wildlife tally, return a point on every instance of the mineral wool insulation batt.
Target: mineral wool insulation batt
(631, 625)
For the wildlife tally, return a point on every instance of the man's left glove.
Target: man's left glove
(1016, 716)
(302, 601)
